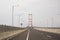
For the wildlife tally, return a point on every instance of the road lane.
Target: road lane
(40, 35)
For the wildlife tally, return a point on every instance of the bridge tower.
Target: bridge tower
(30, 20)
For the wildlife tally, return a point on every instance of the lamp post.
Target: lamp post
(47, 22)
(58, 18)
(20, 23)
(13, 14)
(19, 20)
(52, 21)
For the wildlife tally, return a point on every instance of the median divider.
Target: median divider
(57, 31)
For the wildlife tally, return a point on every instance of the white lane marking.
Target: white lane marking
(28, 35)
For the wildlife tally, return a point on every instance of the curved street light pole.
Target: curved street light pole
(19, 20)
(12, 15)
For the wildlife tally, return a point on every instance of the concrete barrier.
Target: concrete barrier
(10, 33)
(52, 30)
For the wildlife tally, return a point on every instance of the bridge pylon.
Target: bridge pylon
(30, 20)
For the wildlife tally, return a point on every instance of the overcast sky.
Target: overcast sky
(45, 12)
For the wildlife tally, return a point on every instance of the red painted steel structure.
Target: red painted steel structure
(30, 20)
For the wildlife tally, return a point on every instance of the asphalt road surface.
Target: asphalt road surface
(33, 34)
